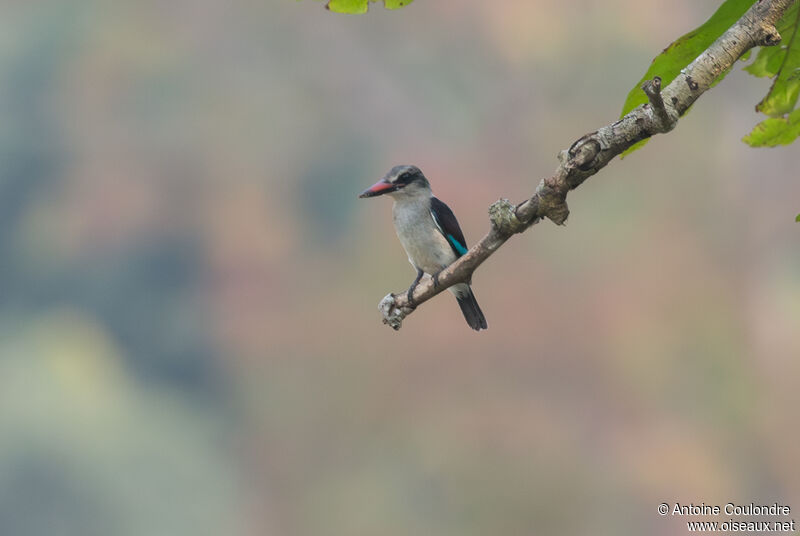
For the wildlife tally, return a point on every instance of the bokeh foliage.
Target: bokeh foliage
(188, 337)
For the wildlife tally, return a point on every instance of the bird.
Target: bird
(429, 233)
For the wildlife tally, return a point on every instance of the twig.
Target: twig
(652, 88)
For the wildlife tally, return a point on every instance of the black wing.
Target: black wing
(448, 225)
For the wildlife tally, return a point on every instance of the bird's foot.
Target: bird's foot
(410, 296)
(436, 279)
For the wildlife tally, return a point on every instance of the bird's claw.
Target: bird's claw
(410, 297)
(410, 294)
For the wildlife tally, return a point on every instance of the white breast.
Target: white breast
(426, 247)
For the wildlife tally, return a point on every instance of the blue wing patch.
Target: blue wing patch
(446, 221)
(458, 246)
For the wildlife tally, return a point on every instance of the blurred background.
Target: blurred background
(189, 335)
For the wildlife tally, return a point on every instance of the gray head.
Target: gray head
(400, 181)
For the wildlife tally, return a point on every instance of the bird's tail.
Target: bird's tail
(469, 306)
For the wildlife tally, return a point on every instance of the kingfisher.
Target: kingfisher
(428, 231)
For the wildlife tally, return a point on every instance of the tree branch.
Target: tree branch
(592, 152)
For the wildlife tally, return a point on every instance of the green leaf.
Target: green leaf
(360, 6)
(797, 218)
(682, 52)
(783, 64)
(775, 131)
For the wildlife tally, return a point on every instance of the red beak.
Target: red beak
(379, 188)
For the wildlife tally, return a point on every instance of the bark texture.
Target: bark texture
(593, 151)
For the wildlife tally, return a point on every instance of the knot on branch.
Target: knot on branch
(553, 200)
(392, 314)
(767, 35)
(503, 215)
(584, 151)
